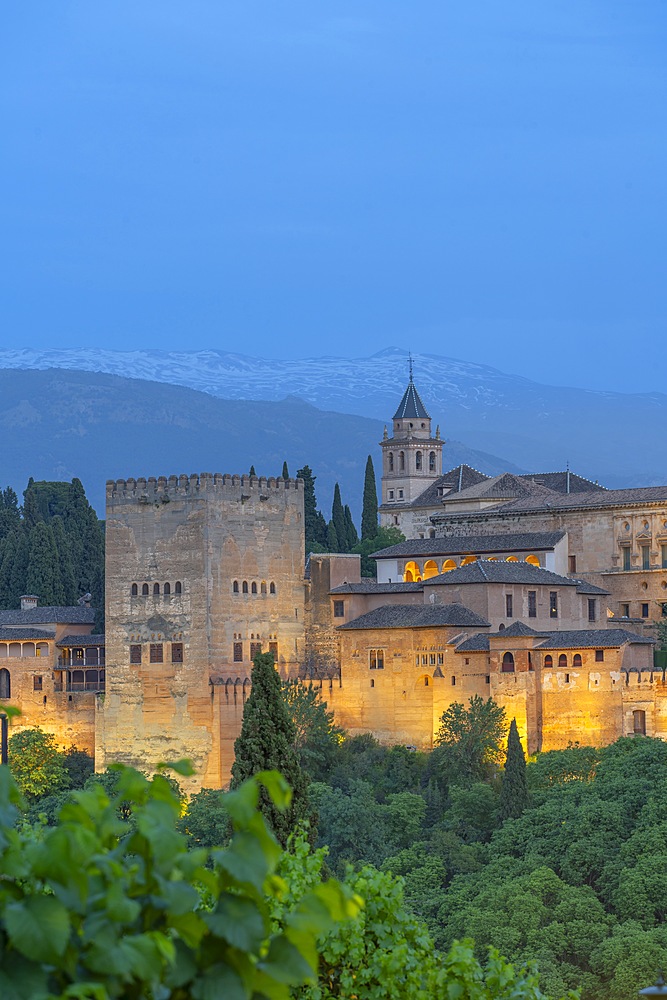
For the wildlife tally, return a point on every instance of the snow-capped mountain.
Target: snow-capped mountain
(611, 436)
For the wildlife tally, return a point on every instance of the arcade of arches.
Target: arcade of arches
(414, 573)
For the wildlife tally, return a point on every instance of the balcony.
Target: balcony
(80, 680)
(91, 659)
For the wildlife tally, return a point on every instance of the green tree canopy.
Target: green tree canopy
(267, 742)
(38, 766)
(470, 739)
(514, 787)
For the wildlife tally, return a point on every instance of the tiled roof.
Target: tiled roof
(478, 643)
(417, 616)
(467, 544)
(460, 478)
(411, 405)
(76, 615)
(14, 634)
(82, 640)
(519, 629)
(564, 482)
(584, 587)
(590, 638)
(593, 499)
(370, 587)
(488, 571)
(502, 487)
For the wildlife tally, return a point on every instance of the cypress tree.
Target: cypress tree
(10, 515)
(66, 570)
(267, 743)
(6, 570)
(514, 787)
(338, 518)
(314, 524)
(43, 574)
(369, 513)
(350, 531)
(285, 471)
(332, 538)
(19, 568)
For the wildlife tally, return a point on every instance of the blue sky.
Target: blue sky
(484, 179)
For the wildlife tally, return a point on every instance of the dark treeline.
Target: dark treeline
(339, 533)
(51, 546)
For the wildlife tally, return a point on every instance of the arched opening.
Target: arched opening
(166, 589)
(511, 559)
(507, 664)
(144, 590)
(468, 559)
(156, 589)
(135, 590)
(431, 532)
(244, 586)
(638, 721)
(448, 565)
(418, 461)
(272, 588)
(411, 572)
(562, 661)
(253, 587)
(401, 461)
(15, 649)
(177, 587)
(28, 649)
(548, 660)
(391, 461)
(263, 587)
(576, 661)
(492, 559)
(5, 685)
(235, 587)
(3, 649)
(42, 649)
(430, 569)
(533, 560)
(431, 461)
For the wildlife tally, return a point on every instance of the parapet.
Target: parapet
(163, 489)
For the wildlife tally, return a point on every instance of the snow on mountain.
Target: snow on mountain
(535, 426)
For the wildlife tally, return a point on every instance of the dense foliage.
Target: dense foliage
(52, 546)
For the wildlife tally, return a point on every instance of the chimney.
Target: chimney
(28, 602)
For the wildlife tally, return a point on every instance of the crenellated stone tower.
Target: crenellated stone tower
(411, 457)
(202, 572)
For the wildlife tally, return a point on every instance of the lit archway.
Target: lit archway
(511, 559)
(448, 565)
(430, 569)
(533, 560)
(507, 664)
(468, 559)
(411, 572)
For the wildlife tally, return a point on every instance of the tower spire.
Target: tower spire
(410, 365)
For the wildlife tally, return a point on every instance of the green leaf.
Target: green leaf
(277, 787)
(22, 980)
(183, 767)
(219, 982)
(241, 803)
(38, 927)
(238, 921)
(285, 963)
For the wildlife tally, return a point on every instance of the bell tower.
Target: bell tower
(411, 457)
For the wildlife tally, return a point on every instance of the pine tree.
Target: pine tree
(267, 743)
(338, 518)
(369, 513)
(285, 471)
(514, 787)
(350, 531)
(332, 538)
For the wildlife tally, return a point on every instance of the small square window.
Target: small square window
(453, 681)
(339, 609)
(391, 494)
(156, 652)
(532, 604)
(400, 494)
(553, 604)
(487, 679)
(376, 659)
(599, 655)
(441, 659)
(255, 649)
(625, 610)
(644, 610)
(509, 606)
(567, 678)
(431, 659)
(135, 654)
(37, 682)
(572, 564)
(273, 648)
(592, 615)
(627, 555)
(424, 660)
(238, 652)
(177, 652)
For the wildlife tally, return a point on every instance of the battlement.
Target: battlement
(162, 489)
